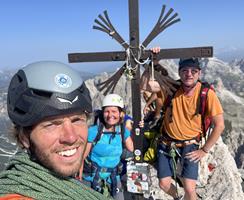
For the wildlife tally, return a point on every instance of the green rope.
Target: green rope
(30, 179)
(106, 192)
(173, 154)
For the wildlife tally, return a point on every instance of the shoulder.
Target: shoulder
(15, 197)
(93, 128)
(127, 133)
(92, 132)
(206, 88)
(212, 92)
(206, 85)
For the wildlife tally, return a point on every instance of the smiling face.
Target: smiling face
(189, 76)
(59, 143)
(111, 115)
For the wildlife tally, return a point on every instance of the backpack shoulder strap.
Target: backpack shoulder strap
(122, 129)
(202, 99)
(201, 105)
(100, 132)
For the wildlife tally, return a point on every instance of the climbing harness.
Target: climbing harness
(99, 184)
(96, 183)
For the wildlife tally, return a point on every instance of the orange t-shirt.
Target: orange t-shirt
(15, 197)
(183, 124)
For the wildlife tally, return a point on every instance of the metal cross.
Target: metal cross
(135, 54)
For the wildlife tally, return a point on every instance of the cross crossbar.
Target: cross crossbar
(206, 51)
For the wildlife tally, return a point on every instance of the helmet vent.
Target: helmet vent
(41, 93)
(21, 112)
(20, 79)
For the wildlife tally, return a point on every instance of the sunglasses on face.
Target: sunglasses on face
(193, 71)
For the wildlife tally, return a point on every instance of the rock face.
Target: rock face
(229, 82)
(219, 175)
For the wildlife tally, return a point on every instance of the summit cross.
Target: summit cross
(135, 55)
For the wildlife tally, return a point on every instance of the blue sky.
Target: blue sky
(50, 29)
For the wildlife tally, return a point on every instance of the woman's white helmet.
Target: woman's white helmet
(113, 100)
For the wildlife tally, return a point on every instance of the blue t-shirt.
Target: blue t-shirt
(106, 154)
(107, 151)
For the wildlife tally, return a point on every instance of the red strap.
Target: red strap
(15, 197)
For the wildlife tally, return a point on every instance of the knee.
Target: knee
(189, 190)
(165, 184)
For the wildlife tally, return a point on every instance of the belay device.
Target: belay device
(135, 55)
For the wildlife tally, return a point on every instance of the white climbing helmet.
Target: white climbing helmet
(113, 100)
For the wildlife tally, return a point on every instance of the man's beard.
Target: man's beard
(45, 160)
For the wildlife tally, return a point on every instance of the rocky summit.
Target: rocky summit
(222, 170)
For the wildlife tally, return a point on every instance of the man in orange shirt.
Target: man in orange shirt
(49, 104)
(181, 126)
